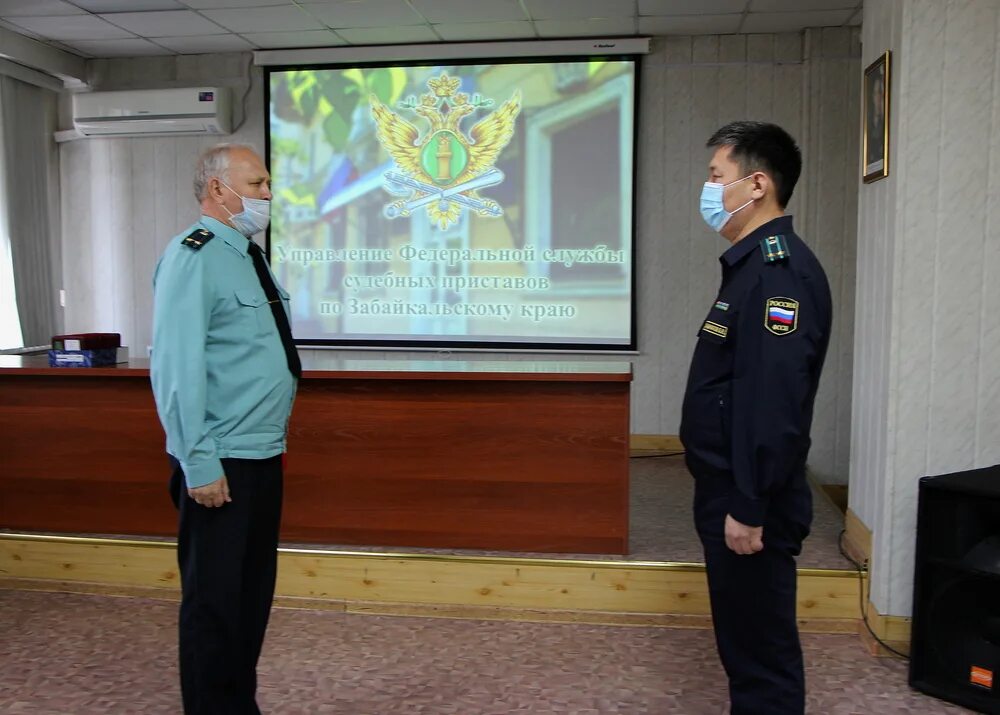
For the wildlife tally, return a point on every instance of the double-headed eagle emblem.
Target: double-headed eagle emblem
(443, 169)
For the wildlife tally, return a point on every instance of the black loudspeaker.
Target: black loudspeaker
(955, 646)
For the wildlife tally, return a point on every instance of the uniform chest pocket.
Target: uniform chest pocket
(253, 310)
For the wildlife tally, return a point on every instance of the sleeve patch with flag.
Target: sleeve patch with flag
(781, 315)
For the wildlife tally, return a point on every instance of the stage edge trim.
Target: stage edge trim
(421, 581)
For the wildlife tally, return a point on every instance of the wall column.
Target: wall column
(926, 390)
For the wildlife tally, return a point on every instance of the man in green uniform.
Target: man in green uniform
(224, 371)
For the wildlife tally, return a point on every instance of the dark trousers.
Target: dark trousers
(228, 561)
(753, 598)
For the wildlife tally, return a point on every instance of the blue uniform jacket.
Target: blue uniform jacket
(218, 368)
(749, 400)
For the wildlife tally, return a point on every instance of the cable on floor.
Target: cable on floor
(864, 598)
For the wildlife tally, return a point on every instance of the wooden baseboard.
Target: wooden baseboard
(895, 631)
(836, 493)
(640, 444)
(857, 539)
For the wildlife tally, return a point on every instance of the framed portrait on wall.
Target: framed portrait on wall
(875, 144)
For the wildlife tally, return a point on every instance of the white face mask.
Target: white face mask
(712, 207)
(255, 216)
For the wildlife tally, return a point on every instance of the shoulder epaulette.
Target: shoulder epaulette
(198, 238)
(774, 249)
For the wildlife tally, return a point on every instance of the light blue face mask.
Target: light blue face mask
(255, 216)
(713, 209)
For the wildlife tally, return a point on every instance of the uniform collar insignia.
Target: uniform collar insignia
(743, 248)
(227, 233)
(774, 248)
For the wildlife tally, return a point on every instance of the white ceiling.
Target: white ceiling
(129, 28)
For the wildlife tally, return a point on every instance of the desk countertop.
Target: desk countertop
(321, 365)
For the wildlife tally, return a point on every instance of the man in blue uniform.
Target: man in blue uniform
(748, 410)
(224, 370)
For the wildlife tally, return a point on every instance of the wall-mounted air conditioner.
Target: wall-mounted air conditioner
(152, 112)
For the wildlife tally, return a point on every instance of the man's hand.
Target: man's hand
(743, 539)
(214, 494)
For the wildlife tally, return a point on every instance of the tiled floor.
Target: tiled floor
(662, 529)
(66, 654)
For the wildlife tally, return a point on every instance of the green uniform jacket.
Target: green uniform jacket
(219, 372)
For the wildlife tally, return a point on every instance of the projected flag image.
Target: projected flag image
(455, 205)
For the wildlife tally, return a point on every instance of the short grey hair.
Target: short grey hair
(214, 163)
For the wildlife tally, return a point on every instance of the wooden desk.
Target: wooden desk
(525, 456)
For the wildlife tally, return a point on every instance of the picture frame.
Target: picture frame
(875, 120)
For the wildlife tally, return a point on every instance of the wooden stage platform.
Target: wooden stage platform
(659, 582)
(423, 465)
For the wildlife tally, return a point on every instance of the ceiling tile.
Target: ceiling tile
(463, 31)
(363, 13)
(389, 35)
(794, 21)
(20, 30)
(305, 38)
(72, 27)
(452, 11)
(264, 19)
(35, 8)
(216, 4)
(102, 6)
(169, 23)
(62, 46)
(556, 9)
(204, 44)
(691, 7)
(588, 27)
(690, 25)
(800, 5)
(118, 48)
